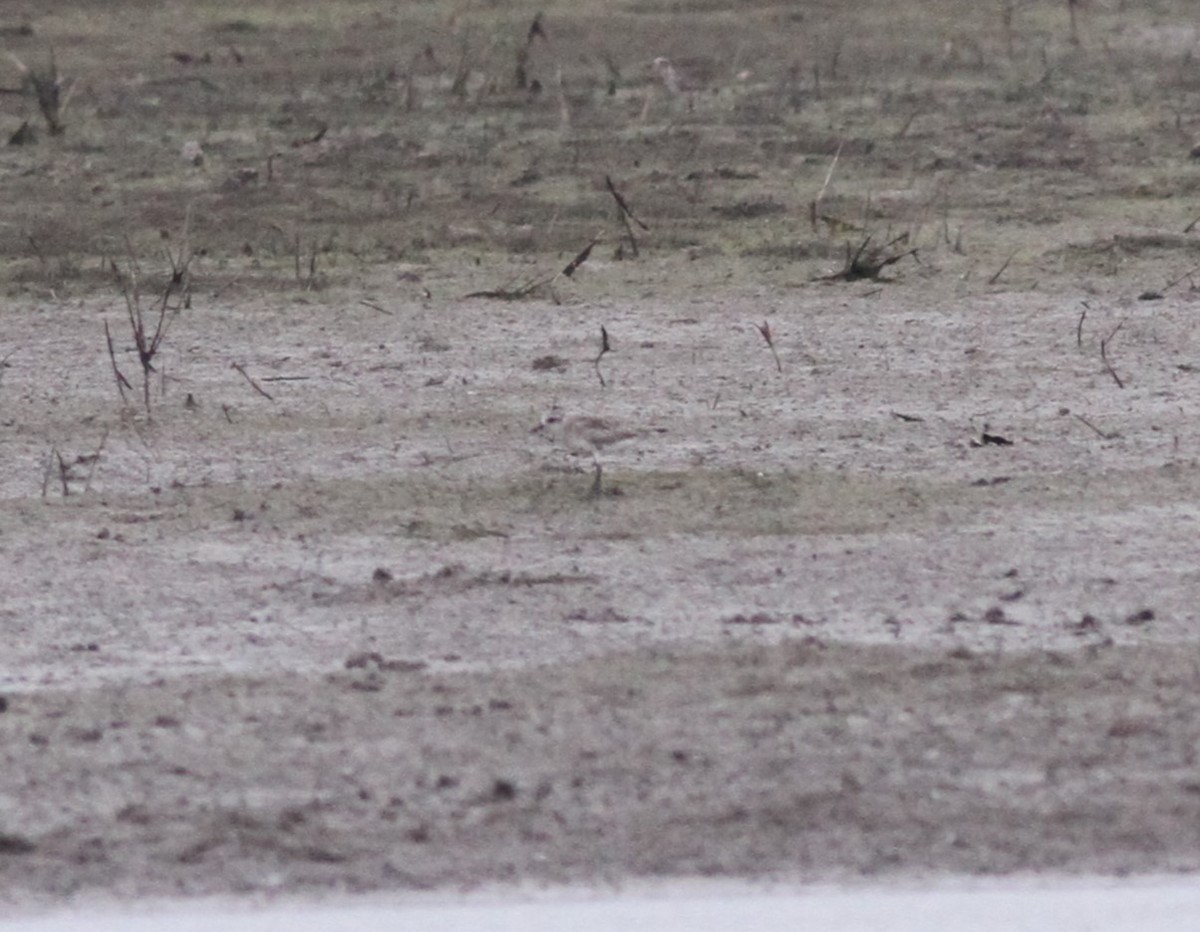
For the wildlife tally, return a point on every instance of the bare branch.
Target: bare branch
(254, 385)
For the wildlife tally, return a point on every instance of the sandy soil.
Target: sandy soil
(910, 590)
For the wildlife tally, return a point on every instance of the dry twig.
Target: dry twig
(1105, 435)
(625, 214)
(518, 293)
(1175, 281)
(65, 469)
(1104, 344)
(1000, 271)
(765, 329)
(580, 259)
(254, 385)
(122, 382)
(604, 348)
(815, 206)
(306, 272)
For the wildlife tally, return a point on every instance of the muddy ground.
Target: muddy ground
(897, 579)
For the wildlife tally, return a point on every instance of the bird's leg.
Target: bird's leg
(595, 492)
(651, 93)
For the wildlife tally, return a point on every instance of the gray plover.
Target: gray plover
(583, 434)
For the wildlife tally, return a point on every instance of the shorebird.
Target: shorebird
(680, 79)
(665, 72)
(584, 434)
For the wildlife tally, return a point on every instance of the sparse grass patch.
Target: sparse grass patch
(149, 322)
(431, 121)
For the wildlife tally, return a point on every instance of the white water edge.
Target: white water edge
(1033, 905)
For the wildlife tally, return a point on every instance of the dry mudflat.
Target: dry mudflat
(898, 577)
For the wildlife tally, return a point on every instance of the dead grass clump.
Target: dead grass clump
(868, 259)
(532, 288)
(47, 87)
(148, 325)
